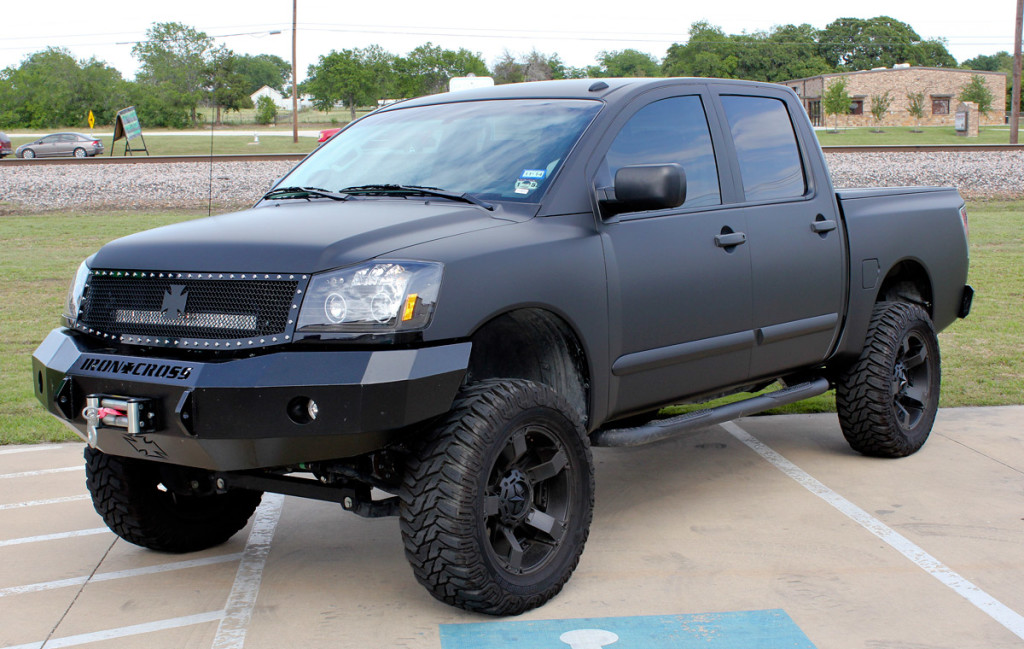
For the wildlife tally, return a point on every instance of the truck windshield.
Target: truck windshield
(494, 150)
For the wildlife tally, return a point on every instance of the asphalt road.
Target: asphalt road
(765, 533)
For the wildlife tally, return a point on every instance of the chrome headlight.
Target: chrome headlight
(377, 296)
(76, 291)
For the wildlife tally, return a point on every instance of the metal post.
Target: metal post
(1015, 100)
(295, 83)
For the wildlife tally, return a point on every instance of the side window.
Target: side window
(765, 147)
(669, 130)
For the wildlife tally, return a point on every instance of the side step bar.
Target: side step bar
(664, 428)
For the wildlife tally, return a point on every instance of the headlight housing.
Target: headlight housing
(383, 296)
(73, 302)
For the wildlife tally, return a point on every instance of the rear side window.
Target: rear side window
(669, 130)
(765, 147)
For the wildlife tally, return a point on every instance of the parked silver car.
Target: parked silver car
(58, 144)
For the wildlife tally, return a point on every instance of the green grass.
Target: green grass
(199, 144)
(983, 356)
(903, 135)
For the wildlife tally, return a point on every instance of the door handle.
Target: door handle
(731, 239)
(821, 227)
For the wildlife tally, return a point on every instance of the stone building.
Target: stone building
(939, 85)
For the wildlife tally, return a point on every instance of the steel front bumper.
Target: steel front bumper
(244, 413)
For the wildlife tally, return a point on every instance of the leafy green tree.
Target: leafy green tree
(227, 87)
(836, 100)
(357, 77)
(879, 108)
(534, 66)
(915, 106)
(707, 53)
(998, 62)
(175, 59)
(266, 110)
(977, 91)
(263, 70)
(427, 69)
(50, 89)
(627, 63)
(865, 43)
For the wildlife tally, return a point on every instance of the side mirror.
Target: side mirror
(647, 187)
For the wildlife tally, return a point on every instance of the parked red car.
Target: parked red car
(5, 145)
(327, 133)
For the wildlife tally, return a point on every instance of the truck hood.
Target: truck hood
(295, 236)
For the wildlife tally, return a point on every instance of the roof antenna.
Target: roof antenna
(209, 205)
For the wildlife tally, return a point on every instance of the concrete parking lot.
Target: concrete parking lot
(768, 532)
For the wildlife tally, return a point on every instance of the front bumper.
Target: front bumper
(245, 413)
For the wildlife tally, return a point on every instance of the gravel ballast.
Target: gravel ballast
(237, 184)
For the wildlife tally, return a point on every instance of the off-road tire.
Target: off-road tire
(509, 460)
(888, 399)
(127, 495)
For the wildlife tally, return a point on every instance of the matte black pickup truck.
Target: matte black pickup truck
(437, 313)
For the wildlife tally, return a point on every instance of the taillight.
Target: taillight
(963, 219)
(95, 142)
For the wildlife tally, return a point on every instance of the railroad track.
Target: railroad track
(295, 157)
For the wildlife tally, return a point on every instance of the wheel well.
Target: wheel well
(907, 282)
(536, 345)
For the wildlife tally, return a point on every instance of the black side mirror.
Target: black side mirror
(647, 187)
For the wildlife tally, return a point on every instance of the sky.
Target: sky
(578, 31)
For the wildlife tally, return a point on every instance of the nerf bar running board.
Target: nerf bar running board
(664, 428)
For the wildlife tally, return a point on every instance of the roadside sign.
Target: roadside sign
(92, 120)
(126, 125)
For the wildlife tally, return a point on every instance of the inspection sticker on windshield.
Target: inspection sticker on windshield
(525, 186)
(533, 173)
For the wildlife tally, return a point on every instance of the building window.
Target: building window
(857, 107)
(940, 105)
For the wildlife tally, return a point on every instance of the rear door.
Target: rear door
(795, 238)
(679, 303)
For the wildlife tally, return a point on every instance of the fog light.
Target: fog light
(302, 410)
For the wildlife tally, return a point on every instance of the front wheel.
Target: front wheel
(163, 506)
(496, 503)
(28, 153)
(887, 400)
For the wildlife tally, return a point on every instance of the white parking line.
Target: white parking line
(119, 574)
(51, 501)
(238, 611)
(54, 537)
(992, 607)
(125, 631)
(29, 474)
(29, 449)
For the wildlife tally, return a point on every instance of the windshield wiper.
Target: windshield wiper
(303, 192)
(465, 197)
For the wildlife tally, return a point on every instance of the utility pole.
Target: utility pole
(1015, 100)
(295, 82)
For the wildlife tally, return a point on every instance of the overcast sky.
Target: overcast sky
(575, 29)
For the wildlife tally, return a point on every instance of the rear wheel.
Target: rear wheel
(79, 152)
(163, 506)
(496, 504)
(887, 401)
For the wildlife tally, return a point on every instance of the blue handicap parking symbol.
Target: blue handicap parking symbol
(738, 630)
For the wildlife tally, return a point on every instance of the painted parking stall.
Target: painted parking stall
(767, 532)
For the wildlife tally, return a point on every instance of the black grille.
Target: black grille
(188, 307)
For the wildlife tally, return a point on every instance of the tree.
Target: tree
(627, 63)
(534, 66)
(998, 62)
(836, 101)
(266, 110)
(358, 77)
(915, 106)
(51, 89)
(263, 70)
(708, 53)
(879, 107)
(427, 69)
(977, 91)
(174, 61)
(862, 44)
(227, 87)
